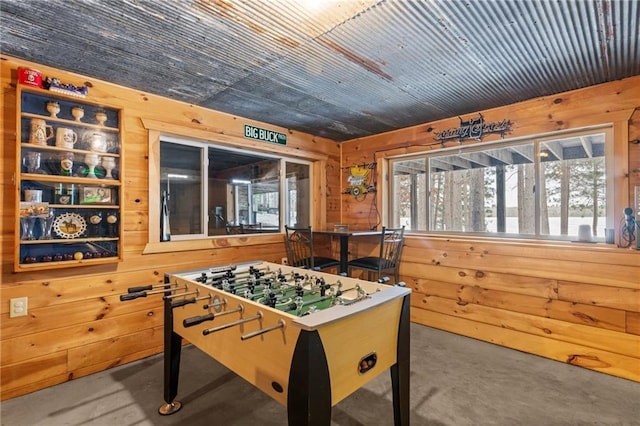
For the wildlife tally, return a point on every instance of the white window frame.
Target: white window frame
(283, 187)
(608, 129)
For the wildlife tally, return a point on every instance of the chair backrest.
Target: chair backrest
(300, 246)
(234, 229)
(392, 241)
(249, 228)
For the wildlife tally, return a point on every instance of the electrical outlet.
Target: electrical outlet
(18, 307)
(285, 261)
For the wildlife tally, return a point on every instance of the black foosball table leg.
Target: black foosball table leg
(309, 394)
(401, 370)
(172, 351)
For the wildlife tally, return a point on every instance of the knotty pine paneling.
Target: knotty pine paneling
(594, 337)
(76, 323)
(604, 361)
(575, 303)
(596, 316)
(51, 367)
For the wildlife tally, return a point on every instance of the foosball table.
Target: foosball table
(305, 338)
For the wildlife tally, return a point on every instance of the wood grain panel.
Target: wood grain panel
(49, 366)
(613, 275)
(114, 362)
(103, 351)
(83, 311)
(633, 322)
(30, 346)
(593, 337)
(595, 316)
(599, 295)
(519, 284)
(600, 360)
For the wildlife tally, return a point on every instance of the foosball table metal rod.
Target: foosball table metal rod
(280, 324)
(190, 322)
(222, 268)
(249, 271)
(186, 293)
(208, 331)
(182, 302)
(132, 296)
(216, 304)
(144, 288)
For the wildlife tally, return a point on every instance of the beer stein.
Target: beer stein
(33, 195)
(41, 132)
(65, 138)
(66, 163)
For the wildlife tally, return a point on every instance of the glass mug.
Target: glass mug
(98, 142)
(65, 137)
(40, 132)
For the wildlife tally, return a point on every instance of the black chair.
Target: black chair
(388, 261)
(300, 250)
(234, 229)
(251, 228)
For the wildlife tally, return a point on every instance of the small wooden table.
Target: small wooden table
(344, 243)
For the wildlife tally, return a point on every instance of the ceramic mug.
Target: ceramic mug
(65, 137)
(40, 131)
(33, 195)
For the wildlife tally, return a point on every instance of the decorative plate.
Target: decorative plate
(69, 225)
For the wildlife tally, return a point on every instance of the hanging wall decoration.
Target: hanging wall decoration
(474, 128)
(359, 180)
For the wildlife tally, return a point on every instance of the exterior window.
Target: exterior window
(213, 190)
(551, 188)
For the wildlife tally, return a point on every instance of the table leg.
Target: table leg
(400, 371)
(309, 389)
(344, 254)
(172, 351)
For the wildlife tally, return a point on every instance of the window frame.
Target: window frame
(158, 130)
(611, 176)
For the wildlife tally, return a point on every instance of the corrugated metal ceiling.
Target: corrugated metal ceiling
(338, 69)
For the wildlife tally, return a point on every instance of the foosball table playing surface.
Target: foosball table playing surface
(305, 338)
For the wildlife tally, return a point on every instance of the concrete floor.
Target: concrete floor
(454, 381)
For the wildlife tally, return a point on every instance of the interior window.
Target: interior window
(211, 190)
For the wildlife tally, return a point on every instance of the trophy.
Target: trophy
(109, 163)
(91, 160)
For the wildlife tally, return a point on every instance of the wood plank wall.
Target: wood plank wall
(76, 323)
(575, 303)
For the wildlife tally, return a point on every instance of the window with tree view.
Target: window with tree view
(552, 187)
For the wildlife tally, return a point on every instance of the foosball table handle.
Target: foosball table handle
(182, 302)
(131, 296)
(140, 288)
(190, 322)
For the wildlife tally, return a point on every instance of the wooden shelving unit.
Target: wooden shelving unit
(69, 191)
